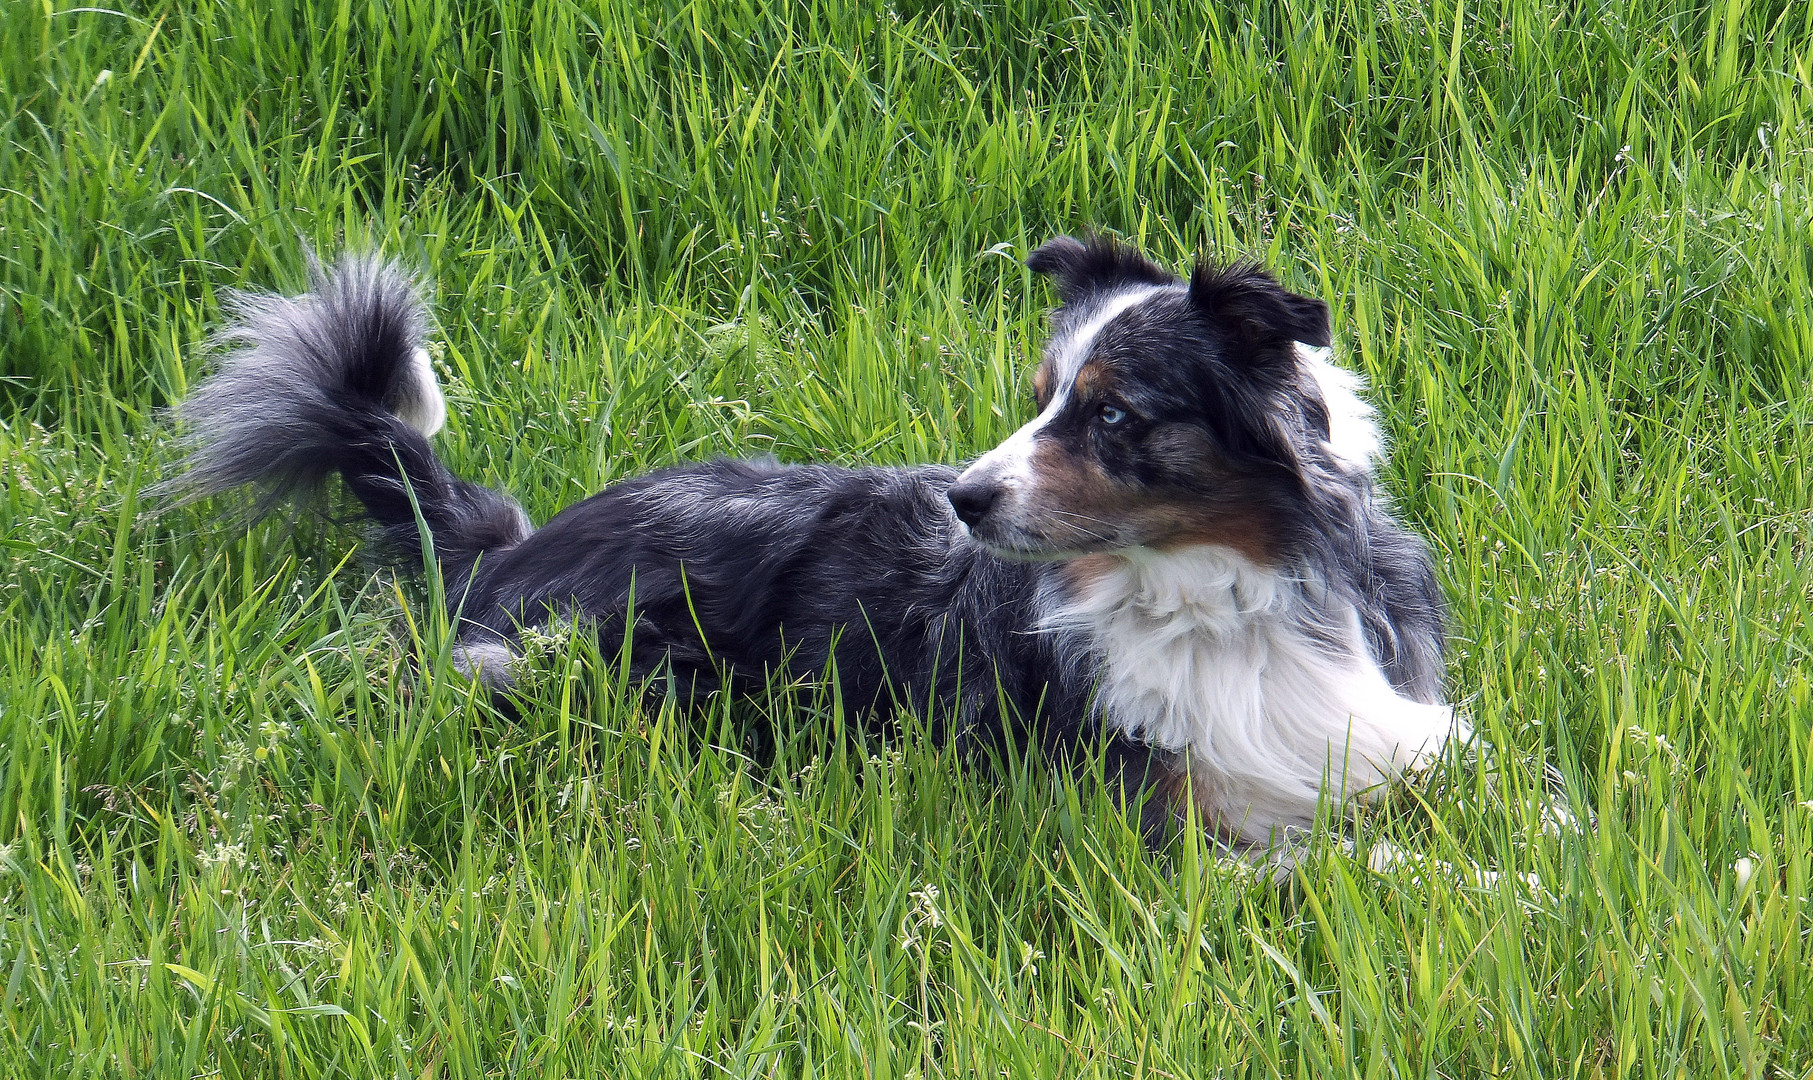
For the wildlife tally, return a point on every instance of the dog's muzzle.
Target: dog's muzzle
(972, 499)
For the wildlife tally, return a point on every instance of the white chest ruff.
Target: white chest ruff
(1274, 699)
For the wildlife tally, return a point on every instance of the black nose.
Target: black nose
(973, 499)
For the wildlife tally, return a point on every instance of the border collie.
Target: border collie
(1183, 553)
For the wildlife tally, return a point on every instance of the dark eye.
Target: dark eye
(1111, 414)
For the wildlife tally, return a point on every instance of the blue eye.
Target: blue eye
(1111, 414)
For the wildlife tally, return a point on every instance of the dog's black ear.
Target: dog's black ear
(1102, 263)
(1259, 309)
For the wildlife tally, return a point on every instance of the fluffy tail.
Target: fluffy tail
(337, 381)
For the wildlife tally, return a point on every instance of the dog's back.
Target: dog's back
(746, 569)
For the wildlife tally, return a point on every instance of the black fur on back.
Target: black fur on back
(744, 568)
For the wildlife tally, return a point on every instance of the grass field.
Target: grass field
(1570, 244)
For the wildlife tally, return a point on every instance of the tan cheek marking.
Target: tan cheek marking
(1088, 502)
(1041, 385)
(1231, 519)
(1237, 527)
(1072, 483)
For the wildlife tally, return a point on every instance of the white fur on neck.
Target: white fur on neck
(1263, 679)
(1353, 435)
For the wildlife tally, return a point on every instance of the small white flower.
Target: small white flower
(927, 906)
(221, 855)
(1744, 868)
(1029, 958)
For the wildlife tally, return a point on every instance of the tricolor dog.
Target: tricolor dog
(1184, 553)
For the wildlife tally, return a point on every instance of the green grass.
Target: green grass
(1570, 244)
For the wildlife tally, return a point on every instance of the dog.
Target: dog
(1183, 557)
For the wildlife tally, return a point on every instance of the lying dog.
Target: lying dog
(1183, 552)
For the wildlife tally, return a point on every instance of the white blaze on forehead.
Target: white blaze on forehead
(1353, 436)
(1067, 353)
(1011, 462)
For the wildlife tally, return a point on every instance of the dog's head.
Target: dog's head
(1171, 413)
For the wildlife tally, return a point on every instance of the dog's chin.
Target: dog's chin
(1017, 546)
(1019, 554)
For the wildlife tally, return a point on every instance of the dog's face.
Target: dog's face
(1171, 413)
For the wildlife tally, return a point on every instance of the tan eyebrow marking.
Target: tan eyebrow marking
(1091, 378)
